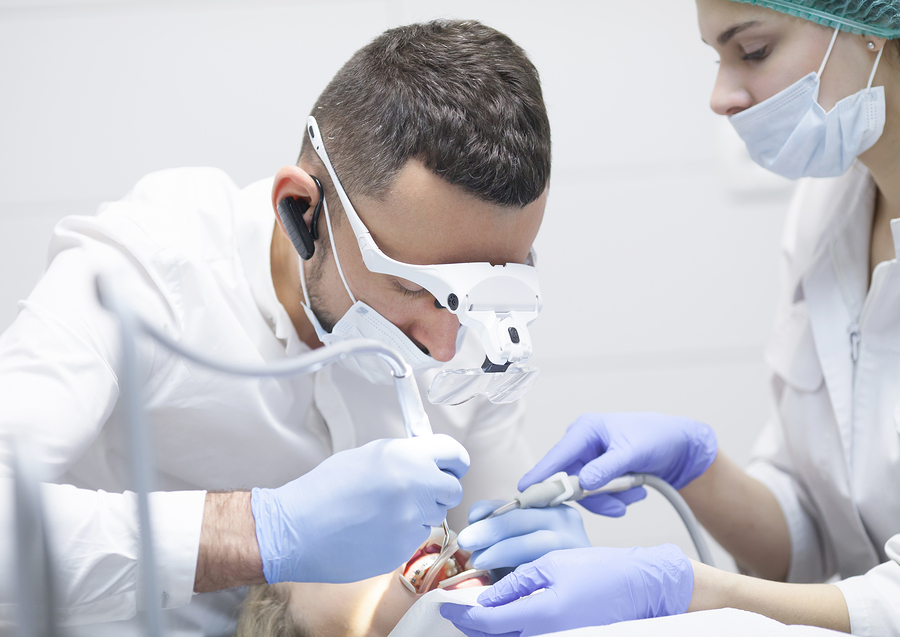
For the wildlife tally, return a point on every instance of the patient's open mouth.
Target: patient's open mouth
(456, 572)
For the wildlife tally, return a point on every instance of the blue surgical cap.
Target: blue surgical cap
(880, 18)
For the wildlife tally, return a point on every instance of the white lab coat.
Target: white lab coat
(196, 251)
(831, 454)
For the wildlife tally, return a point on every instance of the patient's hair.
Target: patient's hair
(266, 612)
(458, 96)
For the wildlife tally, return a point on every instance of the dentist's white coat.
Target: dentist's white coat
(831, 454)
(196, 251)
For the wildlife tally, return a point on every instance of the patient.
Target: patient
(370, 608)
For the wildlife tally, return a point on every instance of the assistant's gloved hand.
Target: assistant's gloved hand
(361, 512)
(519, 536)
(582, 587)
(600, 447)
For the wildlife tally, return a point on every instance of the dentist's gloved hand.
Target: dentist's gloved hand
(359, 513)
(581, 587)
(600, 447)
(519, 536)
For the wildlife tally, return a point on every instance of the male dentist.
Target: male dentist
(438, 135)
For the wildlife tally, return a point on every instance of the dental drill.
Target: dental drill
(562, 487)
(112, 297)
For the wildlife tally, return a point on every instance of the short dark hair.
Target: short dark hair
(459, 96)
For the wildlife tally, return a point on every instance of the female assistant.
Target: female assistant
(813, 89)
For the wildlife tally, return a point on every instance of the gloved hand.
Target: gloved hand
(582, 587)
(361, 512)
(600, 447)
(519, 536)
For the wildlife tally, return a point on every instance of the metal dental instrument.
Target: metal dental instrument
(562, 487)
(448, 548)
(112, 296)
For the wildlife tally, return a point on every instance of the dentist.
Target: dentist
(813, 89)
(433, 144)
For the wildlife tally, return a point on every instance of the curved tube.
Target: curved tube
(562, 487)
(415, 420)
(631, 480)
(687, 516)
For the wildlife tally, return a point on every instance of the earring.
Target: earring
(871, 46)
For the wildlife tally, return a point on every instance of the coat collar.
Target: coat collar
(830, 249)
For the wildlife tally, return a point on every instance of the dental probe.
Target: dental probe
(562, 487)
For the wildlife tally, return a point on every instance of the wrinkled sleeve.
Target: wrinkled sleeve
(58, 387)
(873, 599)
(810, 561)
(94, 550)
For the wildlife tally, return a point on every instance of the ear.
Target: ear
(295, 199)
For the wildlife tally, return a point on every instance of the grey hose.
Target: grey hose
(631, 480)
(687, 516)
(565, 488)
(112, 298)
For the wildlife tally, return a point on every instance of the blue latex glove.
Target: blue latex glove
(581, 587)
(520, 536)
(359, 513)
(600, 447)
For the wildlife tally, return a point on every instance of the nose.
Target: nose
(729, 97)
(436, 330)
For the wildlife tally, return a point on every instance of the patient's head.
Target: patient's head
(370, 608)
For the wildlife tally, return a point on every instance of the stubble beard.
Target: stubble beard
(315, 289)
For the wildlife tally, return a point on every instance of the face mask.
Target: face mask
(361, 321)
(791, 135)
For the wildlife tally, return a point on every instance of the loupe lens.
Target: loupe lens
(456, 386)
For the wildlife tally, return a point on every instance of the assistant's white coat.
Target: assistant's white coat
(831, 454)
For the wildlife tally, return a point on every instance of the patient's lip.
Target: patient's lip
(415, 570)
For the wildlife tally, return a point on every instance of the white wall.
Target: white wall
(658, 264)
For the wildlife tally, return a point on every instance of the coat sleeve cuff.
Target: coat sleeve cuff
(807, 563)
(94, 536)
(177, 518)
(873, 601)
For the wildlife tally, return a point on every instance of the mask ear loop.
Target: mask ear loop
(875, 68)
(337, 261)
(303, 283)
(828, 52)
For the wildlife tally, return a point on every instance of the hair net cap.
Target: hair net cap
(880, 18)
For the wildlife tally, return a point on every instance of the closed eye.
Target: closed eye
(758, 54)
(406, 291)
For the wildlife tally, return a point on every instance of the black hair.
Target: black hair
(458, 96)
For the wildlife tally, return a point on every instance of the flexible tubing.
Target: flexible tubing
(140, 449)
(687, 516)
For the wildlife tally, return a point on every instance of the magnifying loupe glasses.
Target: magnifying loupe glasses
(498, 302)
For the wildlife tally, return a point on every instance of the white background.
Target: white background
(658, 253)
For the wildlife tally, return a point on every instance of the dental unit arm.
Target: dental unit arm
(112, 296)
(415, 420)
(561, 487)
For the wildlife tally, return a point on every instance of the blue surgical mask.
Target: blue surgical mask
(791, 135)
(361, 321)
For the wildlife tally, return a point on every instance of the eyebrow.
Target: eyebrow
(725, 36)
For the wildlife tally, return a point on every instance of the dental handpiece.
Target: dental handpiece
(416, 423)
(562, 487)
